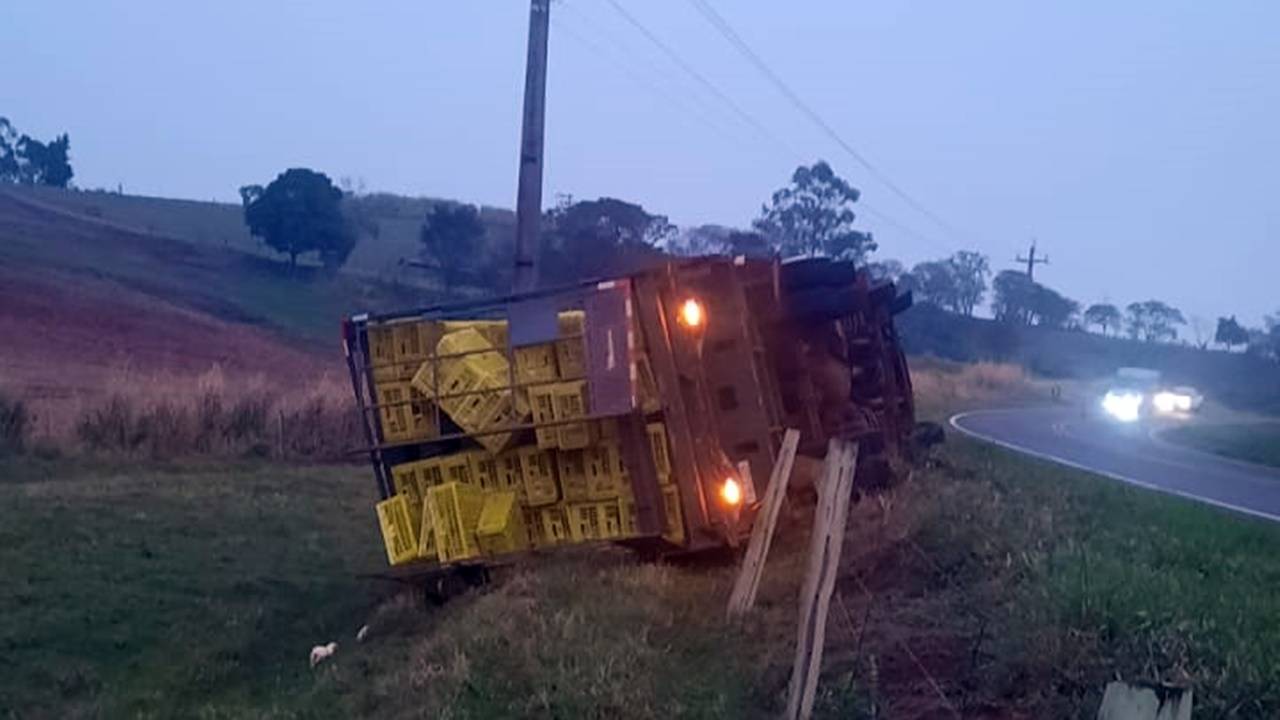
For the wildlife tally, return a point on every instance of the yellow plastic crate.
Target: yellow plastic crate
(405, 413)
(539, 472)
(507, 475)
(542, 405)
(573, 475)
(660, 450)
(602, 471)
(427, 549)
(493, 331)
(477, 402)
(405, 481)
(627, 513)
(455, 511)
(425, 473)
(414, 343)
(674, 517)
(555, 525)
(594, 521)
(382, 346)
(535, 363)
(398, 349)
(533, 526)
(570, 351)
(459, 467)
(484, 466)
(501, 526)
(398, 531)
(571, 402)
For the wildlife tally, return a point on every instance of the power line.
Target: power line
(688, 107)
(699, 77)
(790, 153)
(720, 24)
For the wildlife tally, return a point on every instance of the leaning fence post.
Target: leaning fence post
(743, 596)
(825, 545)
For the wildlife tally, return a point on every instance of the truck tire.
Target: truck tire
(817, 272)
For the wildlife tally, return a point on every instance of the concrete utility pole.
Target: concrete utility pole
(1031, 260)
(529, 194)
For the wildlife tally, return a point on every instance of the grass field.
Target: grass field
(1251, 442)
(1020, 588)
(221, 225)
(176, 592)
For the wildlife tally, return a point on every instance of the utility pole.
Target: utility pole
(1031, 260)
(529, 193)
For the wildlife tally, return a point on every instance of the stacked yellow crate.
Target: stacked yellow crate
(500, 528)
(471, 381)
(570, 349)
(455, 511)
(396, 351)
(399, 534)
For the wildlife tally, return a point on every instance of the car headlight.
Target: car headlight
(1125, 407)
(1170, 402)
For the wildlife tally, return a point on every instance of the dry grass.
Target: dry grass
(164, 416)
(943, 385)
(581, 636)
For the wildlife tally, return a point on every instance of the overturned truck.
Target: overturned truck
(638, 410)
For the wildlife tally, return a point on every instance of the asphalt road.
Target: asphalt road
(1129, 453)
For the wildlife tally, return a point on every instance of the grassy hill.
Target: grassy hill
(215, 224)
(1241, 381)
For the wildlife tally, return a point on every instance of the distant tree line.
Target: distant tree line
(301, 212)
(27, 161)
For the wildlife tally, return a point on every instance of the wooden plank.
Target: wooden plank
(825, 546)
(743, 596)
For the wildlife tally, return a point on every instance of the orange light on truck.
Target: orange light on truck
(731, 492)
(692, 314)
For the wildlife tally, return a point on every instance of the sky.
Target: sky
(1137, 142)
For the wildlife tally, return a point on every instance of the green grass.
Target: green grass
(177, 591)
(198, 590)
(221, 224)
(1081, 578)
(1251, 442)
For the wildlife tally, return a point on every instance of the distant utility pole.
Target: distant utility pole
(529, 193)
(1031, 260)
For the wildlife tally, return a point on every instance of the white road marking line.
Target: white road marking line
(954, 422)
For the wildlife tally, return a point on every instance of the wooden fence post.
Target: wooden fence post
(743, 596)
(825, 545)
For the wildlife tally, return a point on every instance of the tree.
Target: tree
(1153, 321)
(449, 235)
(1230, 333)
(814, 217)
(8, 151)
(600, 237)
(933, 282)
(300, 212)
(969, 272)
(890, 270)
(1014, 297)
(1104, 315)
(1052, 310)
(27, 161)
(701, 240)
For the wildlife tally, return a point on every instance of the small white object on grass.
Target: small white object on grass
(320, 653)
(362, 633)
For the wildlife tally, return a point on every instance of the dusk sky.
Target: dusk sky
(1138, 141)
